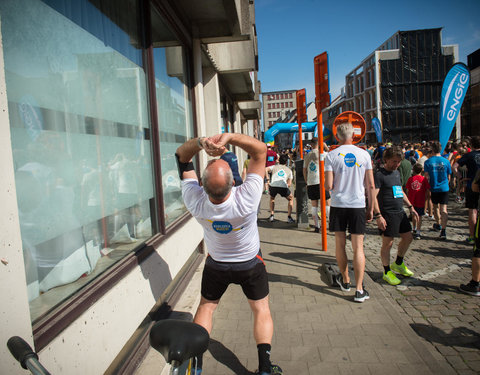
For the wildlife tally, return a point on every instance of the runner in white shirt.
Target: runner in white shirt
(348, 170)
(279, 183)
(228, 216)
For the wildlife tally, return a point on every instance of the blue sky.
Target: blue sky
(292, 32)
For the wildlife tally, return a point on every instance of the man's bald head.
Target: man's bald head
(217, 180)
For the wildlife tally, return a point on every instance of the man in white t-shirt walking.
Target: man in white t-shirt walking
(311, 174)
(279, 183)
(348, 171)
(228, 216)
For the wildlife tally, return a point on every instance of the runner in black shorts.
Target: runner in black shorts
(439, 197)
(391, 218)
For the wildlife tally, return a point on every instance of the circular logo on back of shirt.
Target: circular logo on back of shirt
(313, 166)
(416, 185)
(281, 173)
(350, 160)
(222, 227)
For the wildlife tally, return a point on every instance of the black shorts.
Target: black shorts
(440, 197)
(313, 192)
(250, 275)
(396, 223)
(284, 192)
(420, 210)
(342, 218)
(471, 199)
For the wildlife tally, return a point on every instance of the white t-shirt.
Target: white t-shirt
(230, 228)
(280, 175)
(348, 164)
(311, 164)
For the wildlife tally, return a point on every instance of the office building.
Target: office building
(276, 104)
(400, 83)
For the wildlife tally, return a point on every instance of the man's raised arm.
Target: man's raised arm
(256, 149)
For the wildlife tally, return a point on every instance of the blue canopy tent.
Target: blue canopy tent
(292, 127)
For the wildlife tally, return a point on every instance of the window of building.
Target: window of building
(81, 137)
(276, 96)
(283, 105)
(269, 105)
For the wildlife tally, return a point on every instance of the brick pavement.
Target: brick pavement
(430, 301)
(318, 328)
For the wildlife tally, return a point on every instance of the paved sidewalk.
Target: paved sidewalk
(318, 328)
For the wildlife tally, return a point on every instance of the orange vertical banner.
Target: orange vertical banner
(322, 100)
(301, 116)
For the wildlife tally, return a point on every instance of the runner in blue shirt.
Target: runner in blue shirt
(438, 171)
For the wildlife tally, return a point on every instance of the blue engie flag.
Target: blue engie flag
(454, 89)
(378, 128)
(294, 140)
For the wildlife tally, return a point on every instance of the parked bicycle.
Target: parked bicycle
(179, 341)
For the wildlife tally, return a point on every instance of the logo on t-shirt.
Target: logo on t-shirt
(281, 173)
(270, 158)
(416, 185)
(350, 160)
(222, 227)
(313, 166)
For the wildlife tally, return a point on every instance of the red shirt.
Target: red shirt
(417, 187)
(271, 158)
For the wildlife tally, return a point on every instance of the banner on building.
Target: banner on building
(378, 128)
(454, 89)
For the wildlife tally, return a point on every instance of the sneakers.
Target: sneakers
(344, 286)
(401, 269)
(459, 199)
(391, 278)
(317, 230)
(470, 240)
(290, 220)
(274, 370)
(270, 219)
(443, 234)
(416, 235)
(361, 296)
(470, 288)
(436, 227)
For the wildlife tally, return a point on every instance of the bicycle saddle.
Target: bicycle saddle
(178, 340)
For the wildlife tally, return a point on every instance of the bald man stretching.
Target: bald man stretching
(228, 216)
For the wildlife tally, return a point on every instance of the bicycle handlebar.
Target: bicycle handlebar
(24, 354)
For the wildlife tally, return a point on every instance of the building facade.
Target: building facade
(276, 104)
(471, 106)
(400, 83)
(96, 96)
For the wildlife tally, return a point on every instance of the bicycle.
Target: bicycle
(178, 341)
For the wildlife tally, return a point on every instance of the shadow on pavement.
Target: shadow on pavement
(224, 355)
(275, 278)
(276, 224)
(459, 336)
(467, 253)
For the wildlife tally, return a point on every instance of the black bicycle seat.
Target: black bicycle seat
(178, 340)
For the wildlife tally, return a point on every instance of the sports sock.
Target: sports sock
(327, 210)
(315, 216)
(399, 260)
(386, 269)
(264, 363)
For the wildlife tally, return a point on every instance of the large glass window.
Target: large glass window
(174, 110)
(76, 91)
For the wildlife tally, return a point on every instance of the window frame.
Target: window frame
(49, 326)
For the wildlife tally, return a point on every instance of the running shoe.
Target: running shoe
(443, 234)
(274, 370)
(361, 296)
(401, 269)
(290, 220)
(344, 286)
(437, 226)
(317, 230)
(391, 278)
(470, 288)
(270, 219)
(470, 240)
(416, 235)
